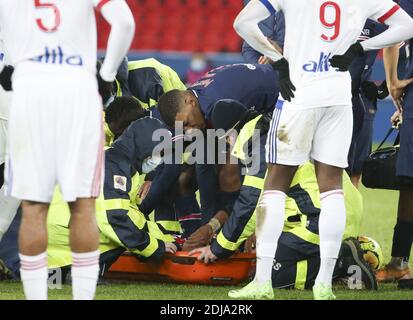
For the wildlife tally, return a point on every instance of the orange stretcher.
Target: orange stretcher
(182, 268)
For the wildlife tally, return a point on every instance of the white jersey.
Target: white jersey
(52, 32)
(315, 31)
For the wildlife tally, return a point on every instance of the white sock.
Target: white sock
(331, 228)
(270, 222)
(8, 209)
(85, 272)
(34, 274)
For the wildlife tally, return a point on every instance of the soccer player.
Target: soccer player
(402, 94)
(365, 94)
(315, 121)
(55, 95)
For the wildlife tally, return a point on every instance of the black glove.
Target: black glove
(370, 90)
(286, 86)
(106, 89)
(343, 61)
(5, 78)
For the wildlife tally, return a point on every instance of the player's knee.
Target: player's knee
(34, 210)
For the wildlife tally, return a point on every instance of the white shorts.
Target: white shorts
(55, 137)
(297, 135)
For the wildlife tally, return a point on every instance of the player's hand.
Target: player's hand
(106, 90)
(170, 247)
(250, 244)
(199, 238)
(286, 86)
(343, 61)
(5, 78)
(397, 90)
(144, 190)
(205, 254)
(396, 119)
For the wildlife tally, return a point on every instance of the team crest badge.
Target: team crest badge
(119, 182)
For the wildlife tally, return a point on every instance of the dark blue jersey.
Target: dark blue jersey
(407, 5)
(274, 28)
(255, 86)
(361, 68)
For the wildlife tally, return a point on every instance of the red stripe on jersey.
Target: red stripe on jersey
(387, 15)
(102, 3)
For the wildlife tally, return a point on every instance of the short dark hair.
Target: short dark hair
(123, 106)
(169, 105)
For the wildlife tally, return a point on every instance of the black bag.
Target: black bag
(379, 169)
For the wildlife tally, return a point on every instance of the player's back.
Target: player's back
(56, 33)
(315, 31)
(253, 85)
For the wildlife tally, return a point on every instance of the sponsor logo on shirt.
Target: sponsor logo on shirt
(57, 56)
(321, 65)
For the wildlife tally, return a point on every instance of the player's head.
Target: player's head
(107, 90)
(122, 112)
(181, 105)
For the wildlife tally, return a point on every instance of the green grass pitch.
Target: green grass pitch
(378, 222)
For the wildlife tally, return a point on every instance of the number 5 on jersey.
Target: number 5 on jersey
(330, 6)
(52, 9)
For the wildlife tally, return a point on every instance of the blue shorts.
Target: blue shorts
(405, 158)
(364, 111)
